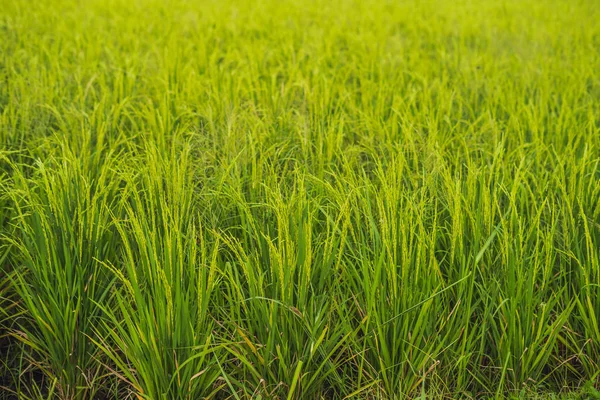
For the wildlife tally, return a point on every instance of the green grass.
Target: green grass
(299, 199)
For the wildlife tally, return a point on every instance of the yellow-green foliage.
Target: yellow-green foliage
(285, 199)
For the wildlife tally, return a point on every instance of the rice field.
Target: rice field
(299, 199)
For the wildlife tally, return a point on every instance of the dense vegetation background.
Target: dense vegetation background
(299, 199)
